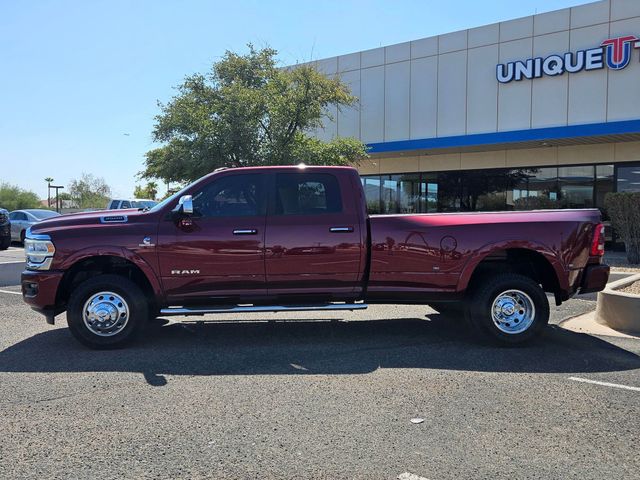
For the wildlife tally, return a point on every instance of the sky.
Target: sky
(80, 81)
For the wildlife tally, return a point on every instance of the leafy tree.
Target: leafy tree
(149, 191)
(13, 197)
(89, 191)
(64, 196)
(247, 112)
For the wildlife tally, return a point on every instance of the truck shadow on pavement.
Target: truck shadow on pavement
(306, 347)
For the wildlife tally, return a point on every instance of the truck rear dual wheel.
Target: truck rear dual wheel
(107, 311)
(508, 308)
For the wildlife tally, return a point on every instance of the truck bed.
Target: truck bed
(437, 252)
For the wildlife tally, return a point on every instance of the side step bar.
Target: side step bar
(262, 308)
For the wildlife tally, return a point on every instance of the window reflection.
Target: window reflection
(629, 178)
(389, 194)
(580, 186)
(576, 186)
(604, 185)
(371, 185)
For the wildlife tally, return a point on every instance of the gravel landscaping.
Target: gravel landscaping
(634, 288)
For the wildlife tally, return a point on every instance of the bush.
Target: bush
(624, 210)
(16, 198)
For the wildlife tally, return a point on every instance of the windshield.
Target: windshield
(170, 199)
(42, 214)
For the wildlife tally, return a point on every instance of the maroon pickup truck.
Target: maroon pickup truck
(272, 239)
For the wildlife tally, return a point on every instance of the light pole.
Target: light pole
(48, 180)
(57, 187)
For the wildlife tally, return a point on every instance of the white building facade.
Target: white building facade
(537, 112)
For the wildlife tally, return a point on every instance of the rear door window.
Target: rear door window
(307, 194)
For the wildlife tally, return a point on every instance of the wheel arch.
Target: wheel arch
(89, 265)
(539, 263)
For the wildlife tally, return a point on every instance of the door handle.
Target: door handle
(245, 231)
(341, 229)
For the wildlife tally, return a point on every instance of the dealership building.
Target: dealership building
(536, 112)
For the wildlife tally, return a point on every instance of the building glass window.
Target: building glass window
(576, 186)
(629, 178)
(389, 194)
(429, 193)
(537, 188)
(604, 185)
(371, 185)
(483, 190)
(409, 192)
(449, 191)
(582, 186)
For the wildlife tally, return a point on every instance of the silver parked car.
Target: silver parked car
(116, 204)
(23, 219)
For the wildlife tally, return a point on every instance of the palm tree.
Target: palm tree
(48, 180)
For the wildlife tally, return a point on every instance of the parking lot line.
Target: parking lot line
(410, 476)
(605, 384)
(12, 293)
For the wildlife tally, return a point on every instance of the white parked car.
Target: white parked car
(116, 204)
(21, 220)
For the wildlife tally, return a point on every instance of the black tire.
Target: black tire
(481, 302)
(23, 234)
(5, 243)
(122, 333)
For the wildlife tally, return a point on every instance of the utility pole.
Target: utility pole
(48, 180)
(57, 187)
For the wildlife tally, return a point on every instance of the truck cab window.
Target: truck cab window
(231, 196)
(307, 194)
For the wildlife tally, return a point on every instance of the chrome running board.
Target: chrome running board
(262, 308)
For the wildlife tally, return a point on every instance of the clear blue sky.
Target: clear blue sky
(77, 75)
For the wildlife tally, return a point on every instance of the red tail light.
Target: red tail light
(597, 245)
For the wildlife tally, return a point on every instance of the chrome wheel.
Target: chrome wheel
(105, 314)
(513, 312)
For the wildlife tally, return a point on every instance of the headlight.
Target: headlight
(39, 250)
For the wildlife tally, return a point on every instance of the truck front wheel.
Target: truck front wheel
(509, 308)
(106, 311)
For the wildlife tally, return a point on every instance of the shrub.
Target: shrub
(624, 210)
(16, 198)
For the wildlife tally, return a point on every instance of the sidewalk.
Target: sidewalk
(586, 323)
(618, 262)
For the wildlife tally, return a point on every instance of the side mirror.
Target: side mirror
(185, 204)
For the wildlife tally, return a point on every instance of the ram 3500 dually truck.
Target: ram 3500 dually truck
(268, 239)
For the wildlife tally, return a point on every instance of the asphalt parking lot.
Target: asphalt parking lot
(11, 264)
(326, 396)
(15, 253)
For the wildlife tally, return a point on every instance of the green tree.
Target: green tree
(13, 197)
(247, 111)
(89, 191)
(149, 191)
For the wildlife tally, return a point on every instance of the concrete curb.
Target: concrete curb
(619, 310)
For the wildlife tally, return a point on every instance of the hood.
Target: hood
(103, 217)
